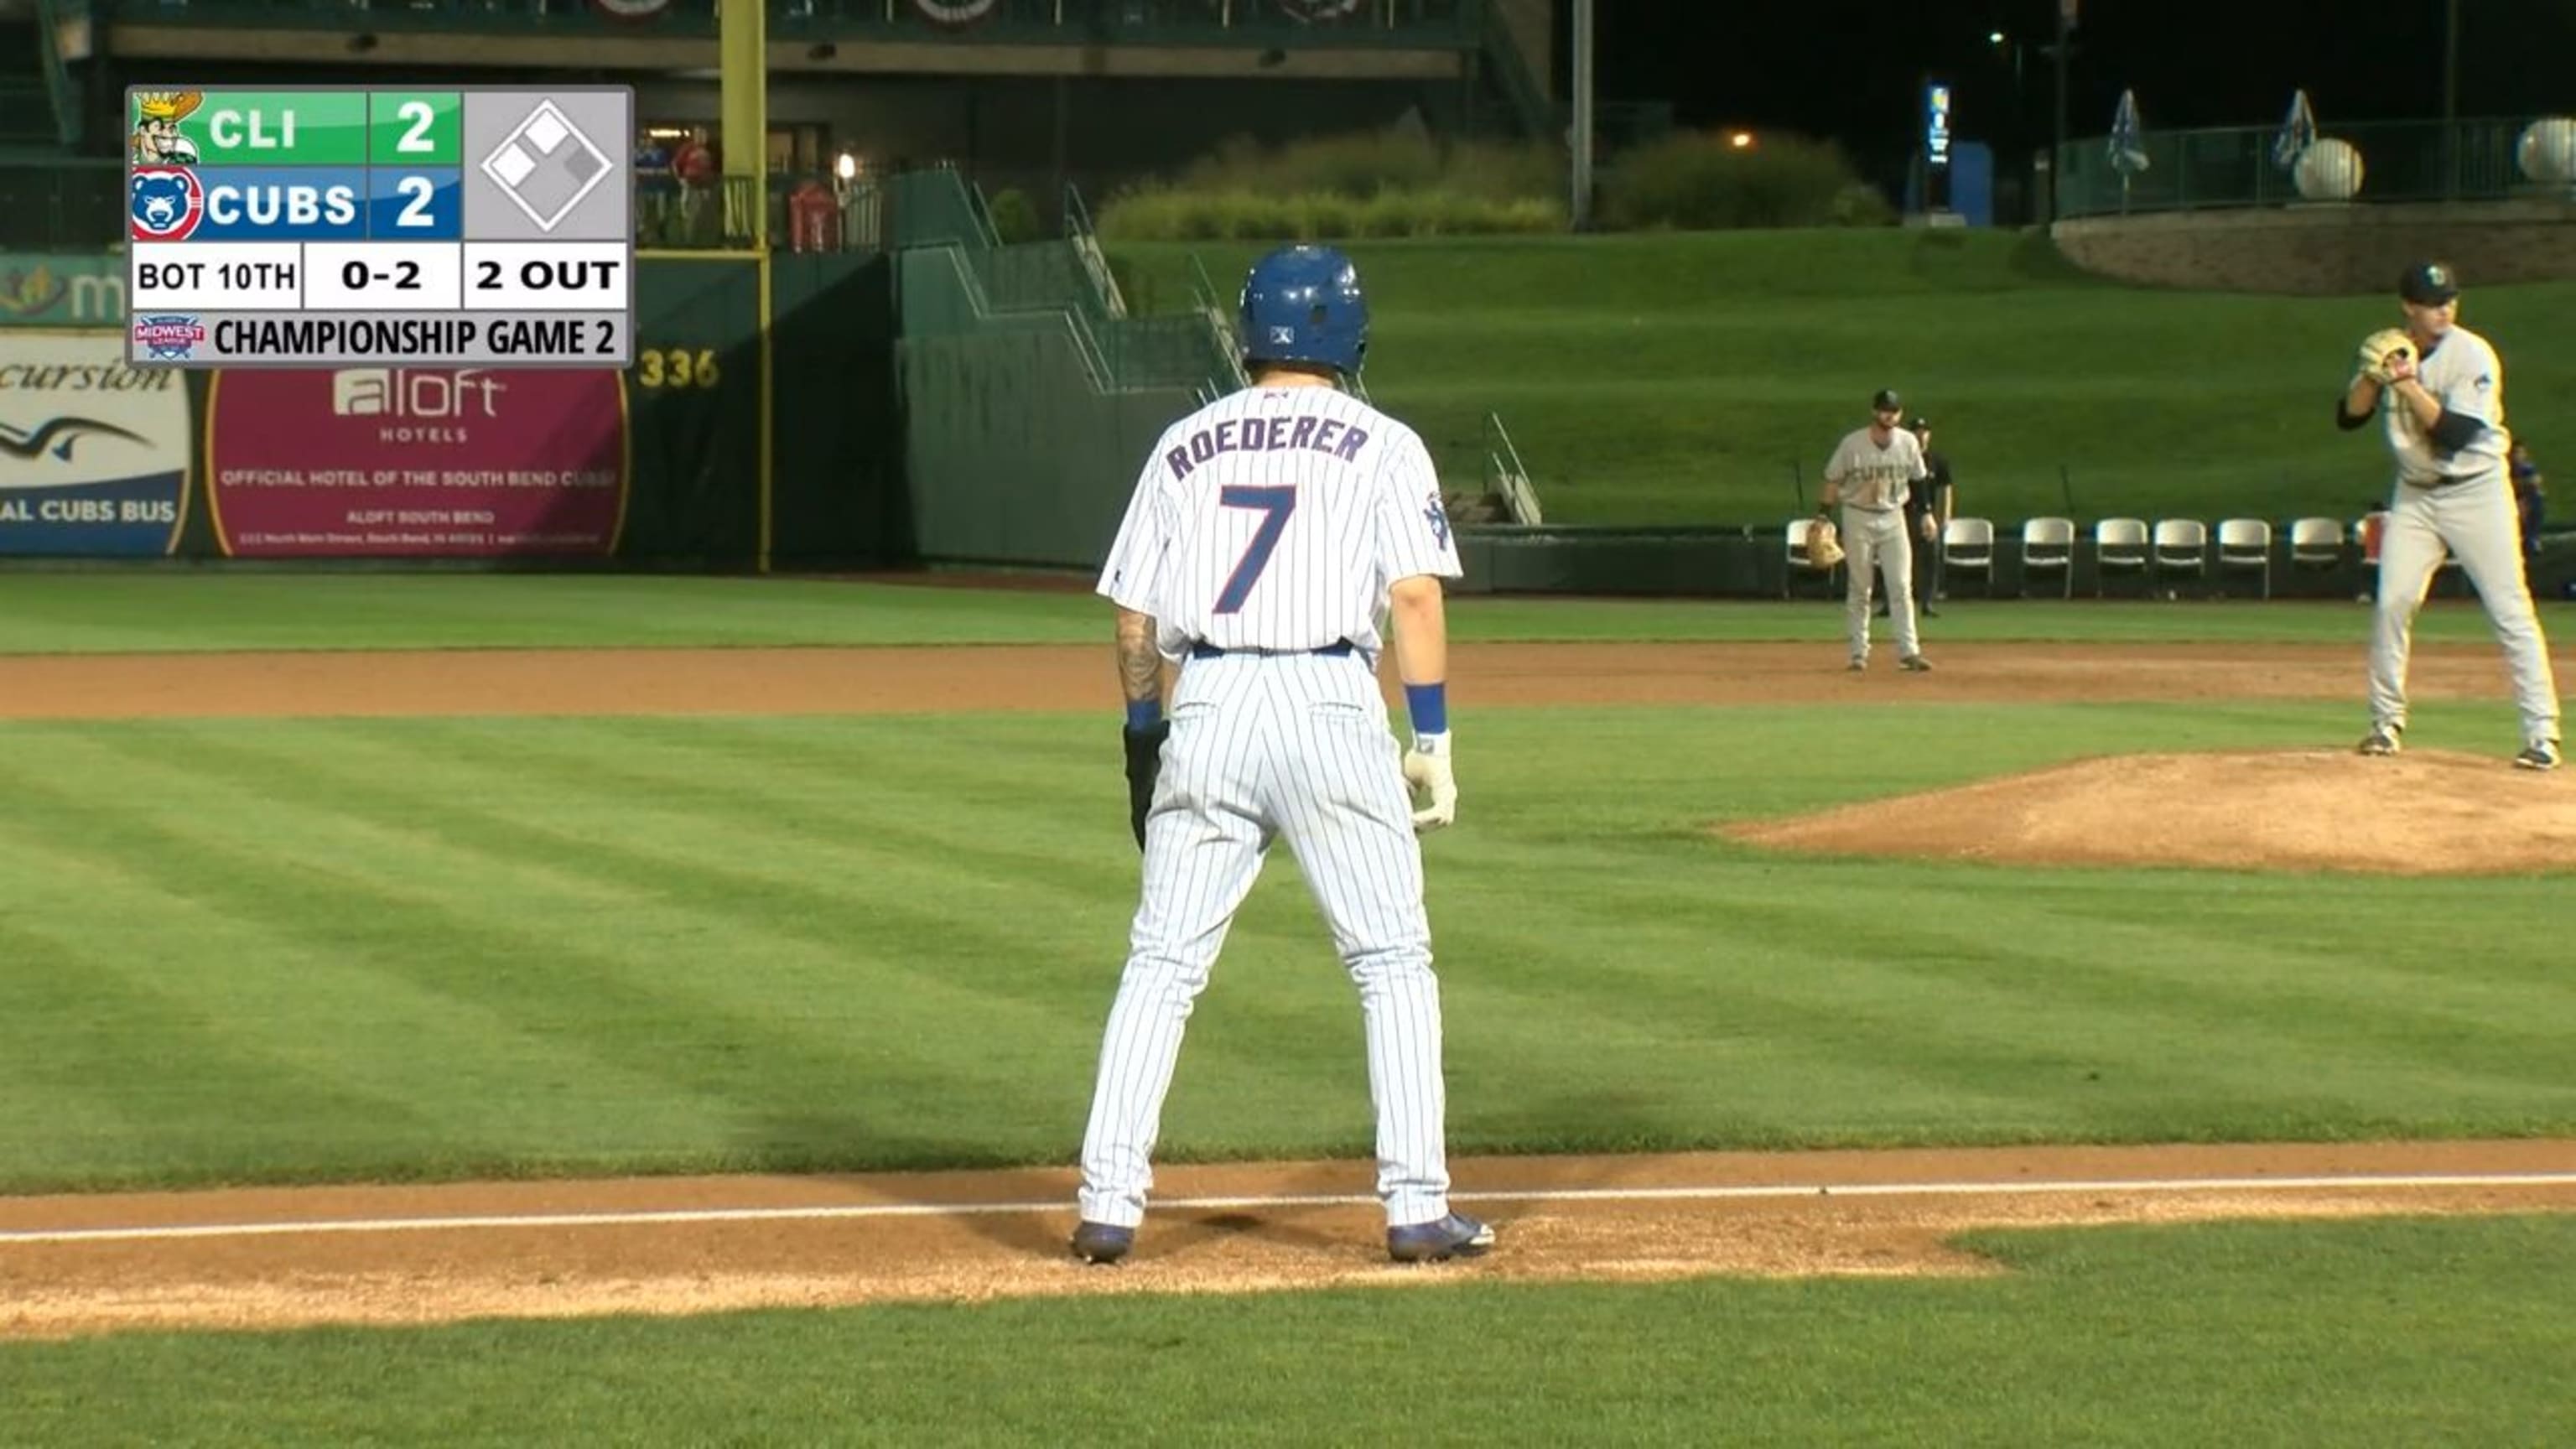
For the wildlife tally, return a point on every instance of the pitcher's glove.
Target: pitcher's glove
(2387, 355)
(1144, 766)
(1426, 768)
(1824, 543)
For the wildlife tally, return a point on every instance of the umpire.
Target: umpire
(1927, 512)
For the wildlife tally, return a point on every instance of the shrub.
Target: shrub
(1697, 182)
(1015, 217)
(1363, 165)
(1257, 216)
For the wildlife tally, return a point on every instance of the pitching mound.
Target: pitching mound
(2427, 812)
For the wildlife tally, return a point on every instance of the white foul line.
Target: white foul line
(1284, 1200)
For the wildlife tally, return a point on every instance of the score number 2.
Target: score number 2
(1274, 505)
(416, 137)
(419, 194)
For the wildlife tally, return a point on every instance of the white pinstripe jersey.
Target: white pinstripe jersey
(1875, 477)
(2461, 370)
(1276, 518)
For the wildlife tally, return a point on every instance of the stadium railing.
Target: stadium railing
(2245, 166)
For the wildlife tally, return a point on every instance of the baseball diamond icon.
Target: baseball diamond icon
(547, 166)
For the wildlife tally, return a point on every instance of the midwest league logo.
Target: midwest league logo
(169, 338)
(166, 203)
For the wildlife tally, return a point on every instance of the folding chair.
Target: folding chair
(2316, 543)
(2119, 548)
(2181, 546)
(1968, 544)
(2046, 544)
(2246, 543)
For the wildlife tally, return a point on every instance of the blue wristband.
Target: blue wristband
(1429, 705)
(1144, 714)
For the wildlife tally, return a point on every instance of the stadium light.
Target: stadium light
(1740, 140)
(1994, 37)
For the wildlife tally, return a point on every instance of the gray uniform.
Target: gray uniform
(2459, 500)
(1875, 479)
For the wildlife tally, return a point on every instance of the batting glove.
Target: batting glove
(1427, 769)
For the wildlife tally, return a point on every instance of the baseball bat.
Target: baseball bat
(1798, 485)
(2066, 487)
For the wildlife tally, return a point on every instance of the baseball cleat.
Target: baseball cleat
(1101, 1243)
(2382, 740)
(1858, 666)
(1916, 663)
(1455, 1236)
(2538, 755)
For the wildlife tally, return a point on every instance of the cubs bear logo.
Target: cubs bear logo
(166, 203)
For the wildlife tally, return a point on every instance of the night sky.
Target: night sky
(1850, 69)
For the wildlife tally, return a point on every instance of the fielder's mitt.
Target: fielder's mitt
(2384, 353)
(1824, 544)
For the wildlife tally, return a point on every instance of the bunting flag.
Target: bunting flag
(2298, 132)
(2128, 139)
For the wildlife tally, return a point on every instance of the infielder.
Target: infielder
(1871, 475)
(1269, 534)
(2443, 390)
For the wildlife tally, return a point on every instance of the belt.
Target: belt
(1204, 650)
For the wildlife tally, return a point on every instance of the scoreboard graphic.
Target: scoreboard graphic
(486, 226)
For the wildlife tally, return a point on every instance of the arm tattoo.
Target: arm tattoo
(1140, 666)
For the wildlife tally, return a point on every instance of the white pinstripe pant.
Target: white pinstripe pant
(1264, 747)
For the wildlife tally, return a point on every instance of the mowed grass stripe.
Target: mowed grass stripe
(212, 1050)
(71, 1095)
(784, 1000)
(387, 960)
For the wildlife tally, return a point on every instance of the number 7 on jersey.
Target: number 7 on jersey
(1274, 504)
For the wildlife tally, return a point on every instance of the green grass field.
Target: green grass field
(318, 950)
(1695, 378)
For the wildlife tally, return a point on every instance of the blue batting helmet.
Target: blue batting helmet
(1303, 304)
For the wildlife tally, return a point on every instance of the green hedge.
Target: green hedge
(1319, 216)
(1363, 164)
(1370, 185)
(1700, 181)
